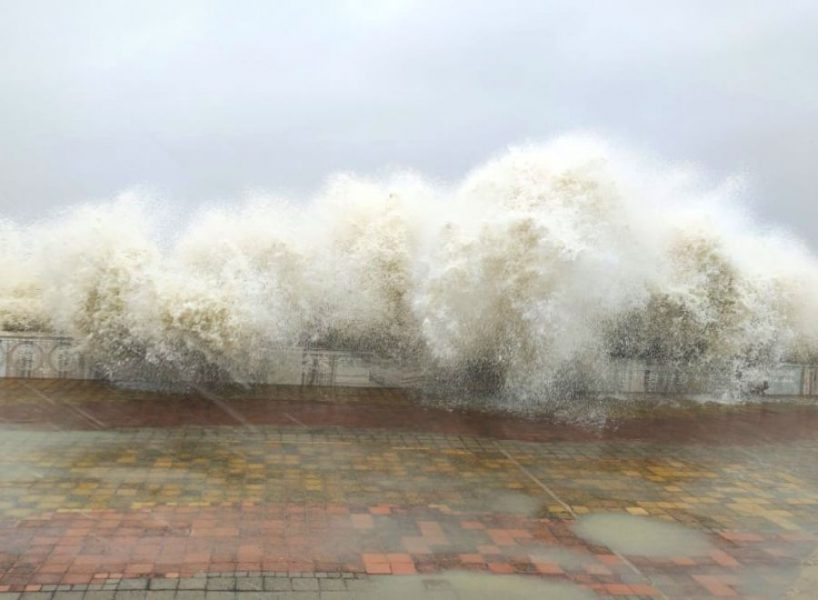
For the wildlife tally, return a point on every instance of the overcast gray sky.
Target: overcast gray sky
(203, 100)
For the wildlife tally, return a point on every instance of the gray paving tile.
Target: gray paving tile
(305, 584)
(130, 595)
(99, 595)
(133, 584)
(220, 595)
(332, 585)
(192, 583)
(357, 584)
(295, 596)
(68, 595)
(161, 595)
(277, 584)
(249, 583)
(221, 584)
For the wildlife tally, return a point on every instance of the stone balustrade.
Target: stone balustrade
(44, 356)
(41, 356)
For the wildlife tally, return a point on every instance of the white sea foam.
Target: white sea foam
(527, 277)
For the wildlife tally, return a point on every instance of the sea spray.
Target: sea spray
(527, 280)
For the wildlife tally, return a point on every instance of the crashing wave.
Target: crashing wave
(529, 278)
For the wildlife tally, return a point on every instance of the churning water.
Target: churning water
(529, 277)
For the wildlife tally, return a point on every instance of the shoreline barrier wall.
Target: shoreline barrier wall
(46, 356)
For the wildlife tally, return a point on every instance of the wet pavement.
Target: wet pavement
(339, 493)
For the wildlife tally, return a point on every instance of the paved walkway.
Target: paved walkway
(292, 493)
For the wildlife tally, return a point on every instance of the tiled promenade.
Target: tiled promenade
(297, 493)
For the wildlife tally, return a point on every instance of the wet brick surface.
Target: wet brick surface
(124, 493)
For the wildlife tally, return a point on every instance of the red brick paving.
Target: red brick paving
(382, 408)
(180, 538)
(71, 547)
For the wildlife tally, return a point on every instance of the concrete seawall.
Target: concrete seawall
(44, 356)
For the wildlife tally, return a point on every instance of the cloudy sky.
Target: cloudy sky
(200, 101)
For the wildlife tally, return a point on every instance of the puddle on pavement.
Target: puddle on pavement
(512, 503)
(470, 586)
(642, 536)
(564, 557)
(777, 582)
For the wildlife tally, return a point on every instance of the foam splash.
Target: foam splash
(527, 278)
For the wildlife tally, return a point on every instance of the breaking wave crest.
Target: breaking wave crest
(529, 278)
